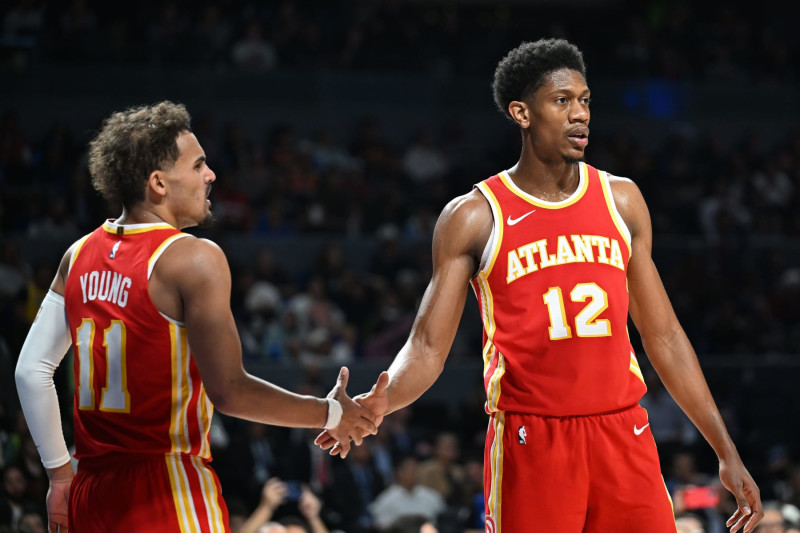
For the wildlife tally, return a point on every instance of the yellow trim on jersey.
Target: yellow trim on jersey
(494, 390)
(181, 495)
(583, 185)
(78, 247)
(498, 224)
(186, 390)
(669, 497)
(210, 496)
(204, 413)
(634, 367)
(490, 351)
(177, 424)
(160, 250)
(622, 228)
(495, 499)
(133, 229)
(487, 313)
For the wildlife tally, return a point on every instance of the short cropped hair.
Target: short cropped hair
(132, 144)
(524, 68)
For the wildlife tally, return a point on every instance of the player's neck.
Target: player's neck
(142, 215)
(545, 180)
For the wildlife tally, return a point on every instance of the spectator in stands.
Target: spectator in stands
(689, 523)
(406, 497)
(412, 524)
(443, 472)
(253, 52)
(773, 521)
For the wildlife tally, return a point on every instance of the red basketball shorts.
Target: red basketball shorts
(146, 493)
(578, 474)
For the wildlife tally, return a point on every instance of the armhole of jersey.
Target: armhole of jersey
(612, 209)
(151, 263)
(496, 237)
(172, 320)
(77, 250)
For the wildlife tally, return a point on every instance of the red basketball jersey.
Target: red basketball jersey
(554, 302)
(137, 388)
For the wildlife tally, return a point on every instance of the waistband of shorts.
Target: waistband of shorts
(114, 458)
(567, 417)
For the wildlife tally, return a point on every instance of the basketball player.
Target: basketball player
(558, 254)
(146, 308)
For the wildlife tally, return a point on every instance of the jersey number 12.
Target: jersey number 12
(586, 322)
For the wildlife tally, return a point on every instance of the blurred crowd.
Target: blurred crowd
(724, 218)
(673, 40)
(724, 215)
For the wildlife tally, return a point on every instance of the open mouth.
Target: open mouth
(579, 136)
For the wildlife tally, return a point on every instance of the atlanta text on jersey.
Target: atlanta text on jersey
(575, 249)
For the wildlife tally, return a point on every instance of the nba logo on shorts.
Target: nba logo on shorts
(522, 433)
(490, 525)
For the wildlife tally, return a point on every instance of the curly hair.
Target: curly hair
(524, 68)
(132, 144)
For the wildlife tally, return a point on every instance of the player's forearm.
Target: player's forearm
(45, 346)
(676, 363)
(254, 399)
(412, 372)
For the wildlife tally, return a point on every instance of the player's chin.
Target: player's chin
(574, 158)
(208, 220)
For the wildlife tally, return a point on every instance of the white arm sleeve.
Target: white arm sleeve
(45, 346)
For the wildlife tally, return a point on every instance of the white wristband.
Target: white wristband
(334, 413)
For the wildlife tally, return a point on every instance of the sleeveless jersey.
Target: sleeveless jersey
(554, 302)
(137, 388)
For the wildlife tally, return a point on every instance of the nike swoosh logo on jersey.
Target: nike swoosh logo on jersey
(638, 430)
(512, 221)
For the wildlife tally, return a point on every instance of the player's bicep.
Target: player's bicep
(460, 235)
(649, 307)
(205, 291)
(442, 305)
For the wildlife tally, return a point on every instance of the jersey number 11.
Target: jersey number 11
(114, 396)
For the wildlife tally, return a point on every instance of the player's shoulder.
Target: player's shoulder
(469, 207)
(624, 189)
(69, 254)
(620, 181)
(193, 251)
(629, 201)
(465, 224)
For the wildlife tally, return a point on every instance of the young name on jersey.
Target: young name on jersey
(106, 286)
(569, 249)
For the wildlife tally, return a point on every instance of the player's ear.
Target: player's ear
(156, 183)
(520, 113)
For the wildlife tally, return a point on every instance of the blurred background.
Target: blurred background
(338, 131)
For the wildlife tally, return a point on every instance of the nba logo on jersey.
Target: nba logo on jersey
(113, 253)
(522, 432)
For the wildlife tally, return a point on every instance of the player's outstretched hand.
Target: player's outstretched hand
(375, 401)
(357, 421)
(739, 482)
(58, 505)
